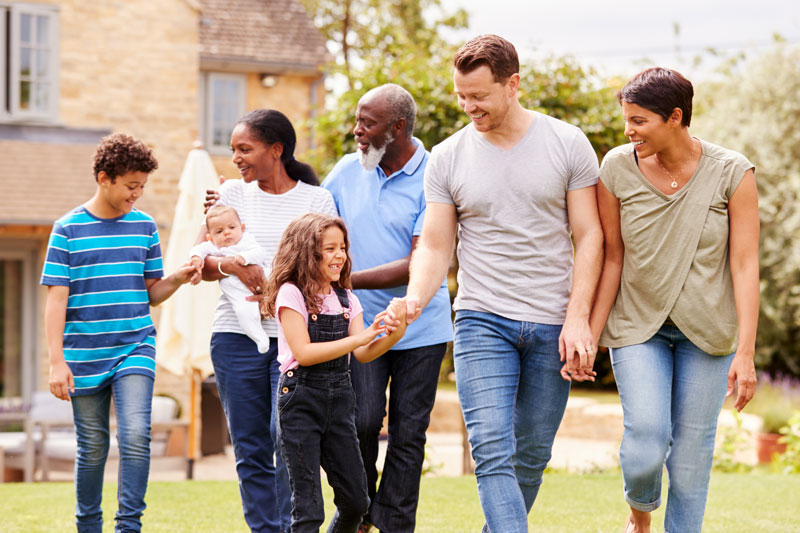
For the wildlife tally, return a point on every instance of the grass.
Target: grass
(567, 503)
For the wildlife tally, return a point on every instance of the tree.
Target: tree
(382, 41)
(366, 31)
(755, 109)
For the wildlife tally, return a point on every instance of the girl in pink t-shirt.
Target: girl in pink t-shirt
(319, 325)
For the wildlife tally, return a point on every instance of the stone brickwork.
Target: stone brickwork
(291, 95)
(134, 67)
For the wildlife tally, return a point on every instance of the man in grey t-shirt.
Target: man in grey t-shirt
(516, 185)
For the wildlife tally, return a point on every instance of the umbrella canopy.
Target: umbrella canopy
(184, 331)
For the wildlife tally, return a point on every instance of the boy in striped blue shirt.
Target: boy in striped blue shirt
(103, 271)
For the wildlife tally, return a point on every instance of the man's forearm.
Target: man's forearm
(386, 276)
(586, 274)
(428, 268)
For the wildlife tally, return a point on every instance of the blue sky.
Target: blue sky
(615, 36)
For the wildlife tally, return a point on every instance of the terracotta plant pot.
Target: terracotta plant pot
(13, 475)
(768, 446)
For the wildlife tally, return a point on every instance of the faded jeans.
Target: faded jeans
(133, 398)
(671, 393)
(513, 398)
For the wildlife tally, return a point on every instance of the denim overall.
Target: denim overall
(316, 424)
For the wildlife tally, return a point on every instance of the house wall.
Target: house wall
(128, 67)
(291, 95)
(133, 67)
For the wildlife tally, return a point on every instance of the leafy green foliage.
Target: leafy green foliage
(789, 461)
(562, 88)
(734, 442)
(755, 109)
(390, 41)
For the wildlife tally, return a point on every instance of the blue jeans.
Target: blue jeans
(671, 393)
(414, 375)
(247, 382)
(133, 398)
(513, 398)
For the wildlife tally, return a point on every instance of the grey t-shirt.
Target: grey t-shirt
(515, 249)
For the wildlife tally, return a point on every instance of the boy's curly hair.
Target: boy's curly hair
(298, 258)
(118, 154)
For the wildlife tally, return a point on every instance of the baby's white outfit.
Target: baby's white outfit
(247, 312)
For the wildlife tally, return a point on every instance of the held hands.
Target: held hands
(742, 372)
(375, 329)
(188, 273)
(61, 380)
(380, 323)
(577, 348)
(412, 311)
(398, 308)
(197, 264)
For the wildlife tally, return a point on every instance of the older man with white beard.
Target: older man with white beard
(379, 193)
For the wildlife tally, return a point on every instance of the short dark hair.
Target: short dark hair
(490, 50)
(118, 154)
(660, 90)
(271, 126)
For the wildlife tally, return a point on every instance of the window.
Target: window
(223, 104)
(28, 63)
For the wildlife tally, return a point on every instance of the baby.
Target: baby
(226, 237)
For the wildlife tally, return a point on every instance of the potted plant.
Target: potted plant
(773, 418)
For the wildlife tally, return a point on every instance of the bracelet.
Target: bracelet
(219, 267)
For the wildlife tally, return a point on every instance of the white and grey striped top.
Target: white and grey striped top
(266, 216)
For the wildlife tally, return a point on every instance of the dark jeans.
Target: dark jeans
(316, 421)
(247, 381)
(412, 376)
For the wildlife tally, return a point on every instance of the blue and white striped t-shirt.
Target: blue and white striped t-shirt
(108, 331)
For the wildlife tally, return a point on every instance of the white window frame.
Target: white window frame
(9, 63)
(3, 61)
(207, 100)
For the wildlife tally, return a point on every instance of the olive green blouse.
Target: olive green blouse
(676, 263)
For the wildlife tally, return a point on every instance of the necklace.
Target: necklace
(674, 182)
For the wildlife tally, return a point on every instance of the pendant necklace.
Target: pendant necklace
(674, 182)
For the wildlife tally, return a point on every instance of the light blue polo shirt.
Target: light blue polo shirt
(382, 215)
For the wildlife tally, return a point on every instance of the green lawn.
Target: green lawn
(567, 503)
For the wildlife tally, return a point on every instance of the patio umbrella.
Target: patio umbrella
(184, 330)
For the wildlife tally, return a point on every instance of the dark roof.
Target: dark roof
(45, 172)
(278, 35)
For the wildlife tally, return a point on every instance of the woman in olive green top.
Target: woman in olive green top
(679, 288)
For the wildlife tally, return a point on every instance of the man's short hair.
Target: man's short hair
(399, 104)
(490, 50)
(118, 154)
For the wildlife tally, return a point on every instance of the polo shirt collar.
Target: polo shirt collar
(412, 164)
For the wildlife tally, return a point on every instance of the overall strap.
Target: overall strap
(341, 293)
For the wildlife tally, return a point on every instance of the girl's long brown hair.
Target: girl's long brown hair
(298, 258)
